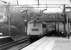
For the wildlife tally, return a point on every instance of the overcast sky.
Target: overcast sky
(29, 2)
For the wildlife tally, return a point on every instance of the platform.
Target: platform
(50, 43)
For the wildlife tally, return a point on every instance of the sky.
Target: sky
(32, 2)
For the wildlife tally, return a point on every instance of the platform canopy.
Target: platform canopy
(22, 2)
(50, 4)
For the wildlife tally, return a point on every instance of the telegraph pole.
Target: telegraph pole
(64, 15)
(17, 2)
(66, 23)
(38, 2)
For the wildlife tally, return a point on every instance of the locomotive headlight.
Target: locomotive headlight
(1, 33)
(25, 20)
(62, 32)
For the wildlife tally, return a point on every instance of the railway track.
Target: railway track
(14, 43)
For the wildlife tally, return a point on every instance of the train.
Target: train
(37, 29)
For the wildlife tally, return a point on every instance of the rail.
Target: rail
(14, 43)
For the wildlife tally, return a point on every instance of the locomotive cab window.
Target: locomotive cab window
(44, 25)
